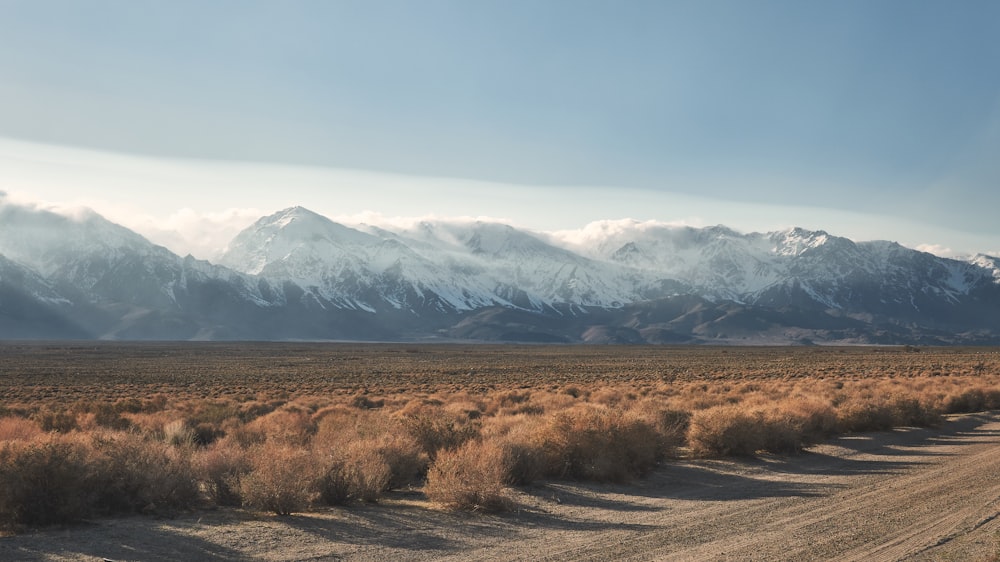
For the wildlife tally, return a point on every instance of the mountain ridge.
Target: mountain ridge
(296, 274)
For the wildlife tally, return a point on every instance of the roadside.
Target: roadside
(914, 494)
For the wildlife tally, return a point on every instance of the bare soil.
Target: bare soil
(908, 494)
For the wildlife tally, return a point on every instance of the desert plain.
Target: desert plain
(330, 451)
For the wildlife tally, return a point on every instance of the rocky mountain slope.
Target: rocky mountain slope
(298, 275)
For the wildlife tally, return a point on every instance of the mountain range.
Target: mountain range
(296, 275)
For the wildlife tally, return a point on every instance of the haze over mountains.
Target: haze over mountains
(298, 275)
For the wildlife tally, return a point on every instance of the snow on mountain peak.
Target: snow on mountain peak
(795, 241)
(290, 237)
(987, 263)
(47, 240)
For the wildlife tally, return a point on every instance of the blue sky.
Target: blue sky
(871, 119)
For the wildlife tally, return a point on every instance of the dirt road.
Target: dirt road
(902, 495)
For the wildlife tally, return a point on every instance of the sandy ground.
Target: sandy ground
(910, 494)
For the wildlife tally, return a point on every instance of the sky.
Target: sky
(186, 120)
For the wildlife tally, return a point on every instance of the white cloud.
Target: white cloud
(69, 210)
(937, 250)
(187, 231)
(402, 223)
(600, 230)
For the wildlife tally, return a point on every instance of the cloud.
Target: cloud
(597, 231)
(204, 235)
(937, 250)
(26, 202)
(404, 223)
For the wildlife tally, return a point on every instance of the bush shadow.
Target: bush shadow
(136, 538)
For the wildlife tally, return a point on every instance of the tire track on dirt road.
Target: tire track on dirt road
(880, 497)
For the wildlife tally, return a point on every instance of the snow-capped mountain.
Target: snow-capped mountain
(443, 266)
(111, 282)
(342, 267)
(516, 267)
(30, 307)
(829, 271)
(297, 274)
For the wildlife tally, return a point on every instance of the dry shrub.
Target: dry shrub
(726, 430)
(201, 423)
(859, 415)
(671, 424)
(59, 480)
(107, 416)
(18, 429)
(206, 434)
(992, 398)
(403, 455)
(215, 413)
(886, 412)
(517, 436)
(280, 478)
(134, 474)
(554, 402)
(435, 431)
(524, 462)
(363, 402)
(249, 411)
(471, 478)
(343, 430)
(607, 396)
(290, 426)
(155, 403)
(335, 417)
(363, 454)
(59, 421)
(43, 483)
(187, 433)
(220, 468)
(148, 423)
(507, 399)
(359, 473)
(244, 435)
(335, 485)
(972, 400)
(464, 409)
(791, 424)
(783, 430)
(178, 433)
(908, 411)
(819, 419)
(513, 402)
(131, 405)
(595, 443)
